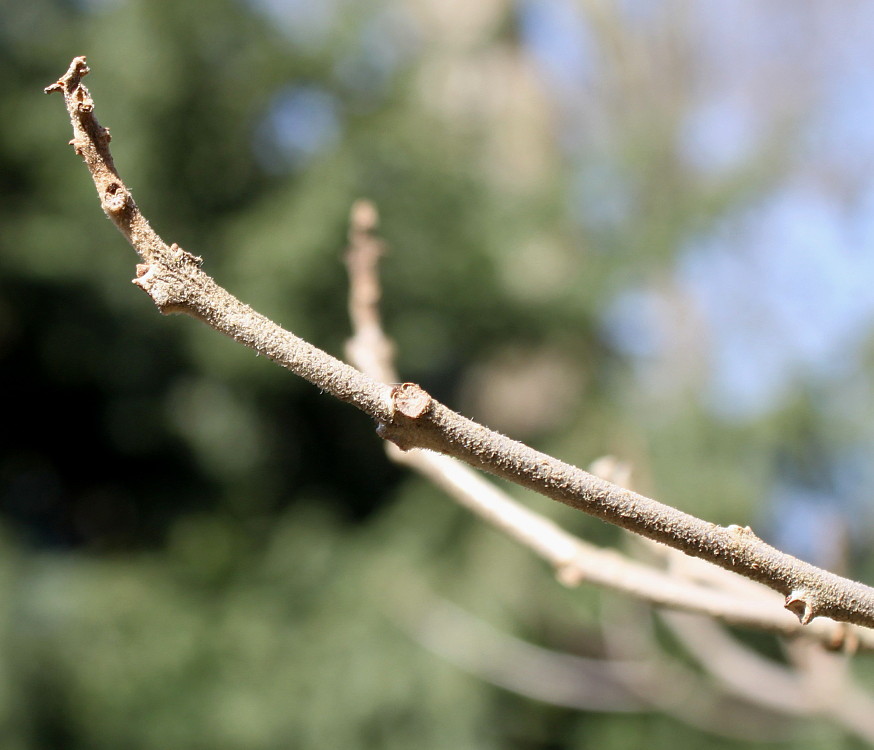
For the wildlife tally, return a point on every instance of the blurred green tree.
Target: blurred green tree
(203, 552)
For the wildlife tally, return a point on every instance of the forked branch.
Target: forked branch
(410, 418)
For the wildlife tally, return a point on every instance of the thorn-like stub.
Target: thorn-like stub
(411, 400)
(800, 603)
(145, 273)
(182, 257)
(67, 82)
(746, 530)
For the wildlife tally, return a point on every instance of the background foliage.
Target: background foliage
(634, 228)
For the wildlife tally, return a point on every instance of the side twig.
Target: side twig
(410, 418)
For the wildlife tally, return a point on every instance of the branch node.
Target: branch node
(569, 575)
(145, 274)
(411, 400)
(115, 198)
(801, 603)
(744, 530)
(182, 257)
(70, 80)
(157, 281)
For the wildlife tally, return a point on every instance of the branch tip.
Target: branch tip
(364, 217)
(70, 80)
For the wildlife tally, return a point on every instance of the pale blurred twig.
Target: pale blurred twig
(574, 560)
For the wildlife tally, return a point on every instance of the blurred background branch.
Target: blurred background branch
(819, 685)
(574, 560)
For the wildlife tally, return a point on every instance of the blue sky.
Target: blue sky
(782, 285)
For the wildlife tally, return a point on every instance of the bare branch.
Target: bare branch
(174, 280)
(636, 684)
(829, 683)
(819, 684)
(627, 634)
(526, 669)
(409, 417)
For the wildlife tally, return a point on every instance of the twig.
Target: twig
(819, 684)
(738, 668)
(586, 684)
(832, 690)
(627, 633)
(409, 417)
(561, 679)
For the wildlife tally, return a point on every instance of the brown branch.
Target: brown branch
(174, 280)
(409, 417)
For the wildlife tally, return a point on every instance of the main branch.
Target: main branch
(410, 418)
